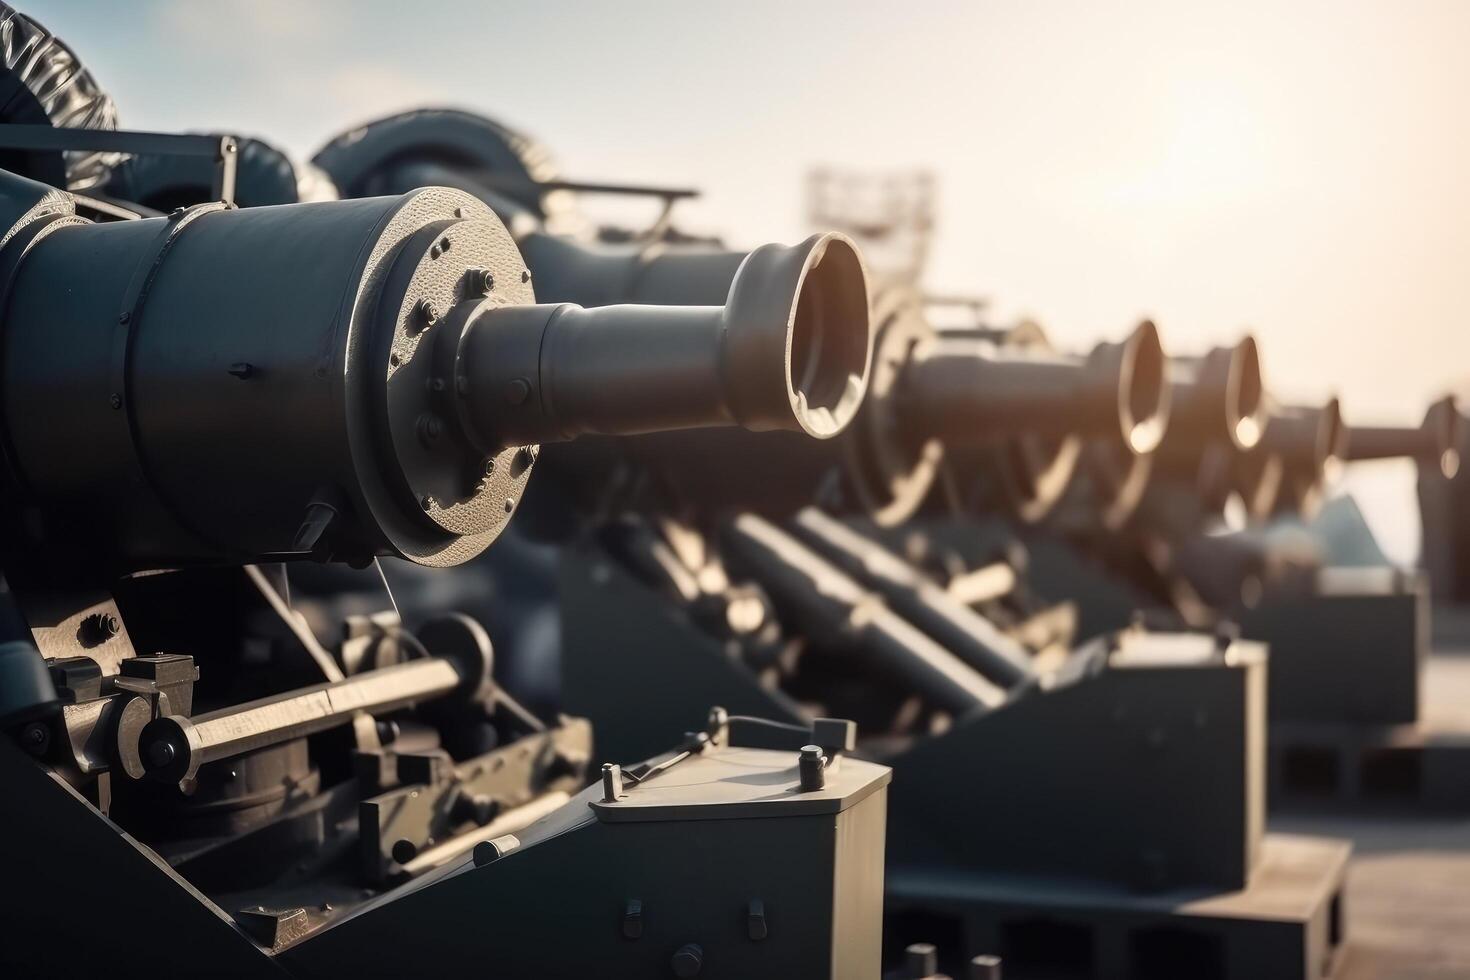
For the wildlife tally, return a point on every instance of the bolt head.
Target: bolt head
(517, 391)
(160, 754)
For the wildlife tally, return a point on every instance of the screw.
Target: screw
(688, 961)
(811, 768)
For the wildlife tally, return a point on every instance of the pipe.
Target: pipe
(957, 627)
(172, 748)
(830, 607)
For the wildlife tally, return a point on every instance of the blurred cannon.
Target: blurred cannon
(1434, 443)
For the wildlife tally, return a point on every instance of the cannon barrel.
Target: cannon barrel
(1298, 452)
(967, 391)
(1435, 441)
(827, 605)
(348, 379)
(1219, 398)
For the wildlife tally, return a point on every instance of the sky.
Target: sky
(1293, 169)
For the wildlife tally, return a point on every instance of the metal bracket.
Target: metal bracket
(224, 150)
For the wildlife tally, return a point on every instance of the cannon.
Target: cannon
(928, 391)
(195, 403)
(1434, 443)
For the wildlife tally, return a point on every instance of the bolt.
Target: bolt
(985, 968)
(430, 427)
(718, 719)
(242, 369)
(688, 961)
(37, 738)
(633, 919)
(612, 782)
(920, 960)
(755, 920)
(811, 768)
(517, 391)
(425, 314)
(478, 282)
(160, 754)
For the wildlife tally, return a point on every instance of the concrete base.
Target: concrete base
(1287, 924)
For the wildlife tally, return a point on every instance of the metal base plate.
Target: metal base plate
(1288, 923)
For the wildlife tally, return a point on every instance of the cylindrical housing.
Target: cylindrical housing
(832, 609)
